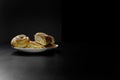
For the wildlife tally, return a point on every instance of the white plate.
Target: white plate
(33, 49)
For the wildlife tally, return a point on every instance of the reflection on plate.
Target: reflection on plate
(34, 49)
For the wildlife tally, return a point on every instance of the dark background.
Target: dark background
(94, 23)
(91, 46)
(28, 17)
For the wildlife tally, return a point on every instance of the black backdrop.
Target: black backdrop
(28, 17)
(99, 59)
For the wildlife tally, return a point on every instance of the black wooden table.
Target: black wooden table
(63, 63)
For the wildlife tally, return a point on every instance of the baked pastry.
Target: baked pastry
(44, 39)
(20, 41)
(50, 46)
(33, 44)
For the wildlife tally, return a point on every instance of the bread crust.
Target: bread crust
(20, 41)
(44, 39)
(33, 44)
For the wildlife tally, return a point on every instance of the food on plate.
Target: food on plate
(50, 45)
(44, 39)
(41, 40)
(33, 44)
(20, 41)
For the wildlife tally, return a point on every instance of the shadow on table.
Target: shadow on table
(46, 53)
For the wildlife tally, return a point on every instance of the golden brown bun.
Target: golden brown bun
(20, 41)
(50, 46)
(43, 38)
(33, 44)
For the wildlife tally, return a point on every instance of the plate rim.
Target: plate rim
(35, 49)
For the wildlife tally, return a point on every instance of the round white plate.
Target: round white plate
(33, 49)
